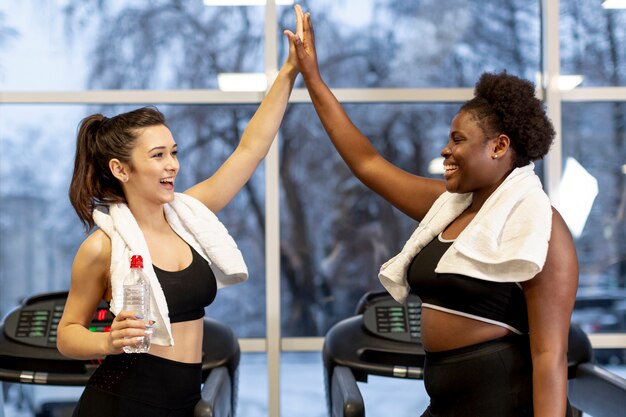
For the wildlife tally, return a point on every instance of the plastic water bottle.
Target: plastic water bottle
(137, 299)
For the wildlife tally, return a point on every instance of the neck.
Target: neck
(480, 196)
(149, 217)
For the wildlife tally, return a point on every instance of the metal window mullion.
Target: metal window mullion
(204, 96)
(272, 230)
(551, 60)
(299, 95)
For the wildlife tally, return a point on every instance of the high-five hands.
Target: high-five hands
(303, 41)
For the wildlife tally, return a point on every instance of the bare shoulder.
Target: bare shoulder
(94, 254)
(562, 251)
(560, 232)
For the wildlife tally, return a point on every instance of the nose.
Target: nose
(172, 164)
(446, 150)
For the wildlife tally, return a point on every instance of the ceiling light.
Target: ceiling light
(435, 167)
(242, 81)
(614, 4)
(565, 82)
(245, 2)
(575, 196)
(569, 82)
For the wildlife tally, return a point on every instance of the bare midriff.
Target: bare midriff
(444, 331)
(188, 343)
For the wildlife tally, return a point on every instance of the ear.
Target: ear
(500, 146)
(119, 169)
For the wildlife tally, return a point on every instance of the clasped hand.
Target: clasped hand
(127, 329)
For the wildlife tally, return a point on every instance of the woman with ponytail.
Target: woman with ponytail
(123, 182)
(100, 140)
(492, 262)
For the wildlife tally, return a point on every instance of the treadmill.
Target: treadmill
(383, 338)
(28, 353)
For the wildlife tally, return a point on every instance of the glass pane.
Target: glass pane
(592, 43)
(430, 43)
(594, 137)
(335, 233)
(29, 400)
(77, 45)
(252, 385)
(302, 390)
(40, 233)
(303, 393)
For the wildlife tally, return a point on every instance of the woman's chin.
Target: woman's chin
(451, 187)
(167, 197)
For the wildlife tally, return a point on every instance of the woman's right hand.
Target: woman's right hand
(305, 47)
(127, 329)
(292, 59)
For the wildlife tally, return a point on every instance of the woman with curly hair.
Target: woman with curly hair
(493, 263)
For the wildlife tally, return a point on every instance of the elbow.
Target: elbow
(62, 343)
(65, 343)
(365, 163)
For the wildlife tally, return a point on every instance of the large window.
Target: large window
(431, 43)
(402, 68)
(592, 43)
(79, 45)
(600, 233)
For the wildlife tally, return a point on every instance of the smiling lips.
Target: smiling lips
(448, 169)
(168, 182)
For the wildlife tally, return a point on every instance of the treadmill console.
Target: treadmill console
(386, 318)
(36, 321)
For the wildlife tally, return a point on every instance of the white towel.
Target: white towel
(507, 241)
(195, 224)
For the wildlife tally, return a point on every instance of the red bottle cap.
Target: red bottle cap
(136, 261)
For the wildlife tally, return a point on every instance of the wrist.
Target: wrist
(289, 70)
(106, 347)
(313, 80)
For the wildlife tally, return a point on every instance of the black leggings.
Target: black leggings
(490, 379)
(137, 385)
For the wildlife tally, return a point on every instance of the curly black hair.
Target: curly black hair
(506, 104)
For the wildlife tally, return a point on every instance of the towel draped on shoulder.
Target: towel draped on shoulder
(195, 224)
(507, 240)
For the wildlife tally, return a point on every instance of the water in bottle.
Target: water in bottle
(137, 299)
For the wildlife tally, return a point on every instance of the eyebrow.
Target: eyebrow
(162, 147)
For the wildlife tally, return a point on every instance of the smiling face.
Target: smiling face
(469, 157)
(154, 165)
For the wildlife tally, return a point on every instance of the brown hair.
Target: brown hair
(99, 140)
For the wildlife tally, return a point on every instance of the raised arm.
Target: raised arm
(550, 300)
(410, 193)
(219, 189)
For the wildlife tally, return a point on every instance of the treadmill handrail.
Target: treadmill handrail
(597, 392)
(43, 378)
(216, 395)
(347, 400)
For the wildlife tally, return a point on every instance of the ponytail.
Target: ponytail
(99, 140)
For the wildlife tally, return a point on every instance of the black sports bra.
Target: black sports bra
(188, 291)
(498, 303)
